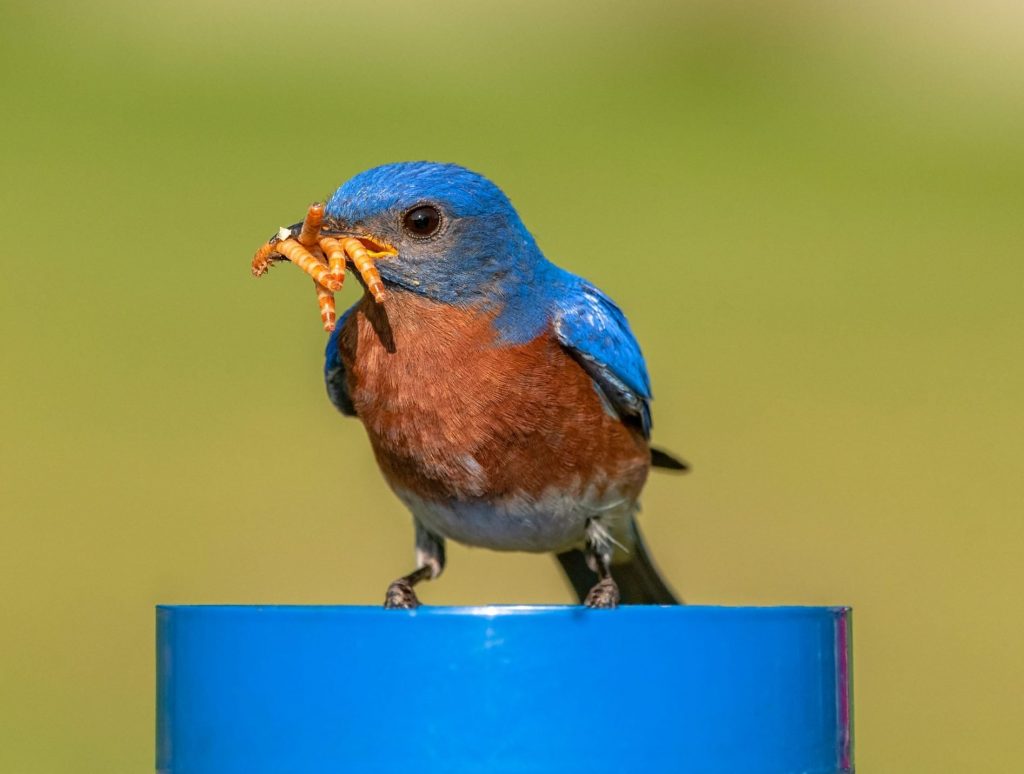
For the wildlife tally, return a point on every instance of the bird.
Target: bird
(506, 399)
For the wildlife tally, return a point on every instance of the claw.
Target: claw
(400, 596)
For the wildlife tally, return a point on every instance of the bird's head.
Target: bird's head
(452, 234)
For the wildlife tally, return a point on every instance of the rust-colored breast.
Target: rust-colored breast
(454, 415)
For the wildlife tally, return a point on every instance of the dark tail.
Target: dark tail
(638, 579)
(663, 459)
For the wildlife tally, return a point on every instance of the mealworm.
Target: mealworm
(323, 259)
(324, 297)
(261, 261)
(363, 262)
(328, 311)
(335, 257)
(306, 261)
(310, 232)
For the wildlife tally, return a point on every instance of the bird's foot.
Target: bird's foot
(604, 594)
(400, 596)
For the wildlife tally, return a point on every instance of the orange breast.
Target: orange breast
(452, 414)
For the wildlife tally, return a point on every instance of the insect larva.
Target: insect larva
(363, 262)
(335, 257)
(325, 300)
(310, 232)
(301, 257)
(323, 259)
(262, 260)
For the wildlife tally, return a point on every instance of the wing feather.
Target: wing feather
(595, 331)
(334, 370)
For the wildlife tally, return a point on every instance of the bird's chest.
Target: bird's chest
(420, 374)
(455, 416)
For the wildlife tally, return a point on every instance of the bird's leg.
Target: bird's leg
(604, 593)
(429, 565)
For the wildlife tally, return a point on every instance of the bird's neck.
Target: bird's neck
(516, 299)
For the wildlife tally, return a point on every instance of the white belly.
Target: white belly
(556, 521)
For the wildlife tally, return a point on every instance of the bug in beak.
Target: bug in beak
(323, 257)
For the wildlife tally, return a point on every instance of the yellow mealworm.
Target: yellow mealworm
(324, 259)
(306, 261)
(310, 232)
(335, 257)
(324, 297)
(364, 265)
(328, 312)
(261, 261)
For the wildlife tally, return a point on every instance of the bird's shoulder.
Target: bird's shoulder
(595, 330)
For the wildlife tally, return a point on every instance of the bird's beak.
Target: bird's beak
(377, 247)
(363, 250)
(321, 250)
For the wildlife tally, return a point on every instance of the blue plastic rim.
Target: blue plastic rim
(503, 689)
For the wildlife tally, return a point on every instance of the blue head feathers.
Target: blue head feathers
(393, 188)
(459, 240)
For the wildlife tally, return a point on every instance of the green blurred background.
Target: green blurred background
(826, 206)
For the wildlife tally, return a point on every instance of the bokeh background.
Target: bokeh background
(825, 204)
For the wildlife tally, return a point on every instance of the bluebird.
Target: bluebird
(506, 399)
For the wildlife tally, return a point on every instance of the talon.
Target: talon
(604, 594)
(400, 596)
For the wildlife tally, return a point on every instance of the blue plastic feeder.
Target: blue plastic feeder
(503, 689)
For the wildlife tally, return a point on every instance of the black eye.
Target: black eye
(422, 221)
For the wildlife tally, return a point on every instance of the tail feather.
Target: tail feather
(663, 459)
(638, 579)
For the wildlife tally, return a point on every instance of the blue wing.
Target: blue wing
(594, 329)
(334, 370)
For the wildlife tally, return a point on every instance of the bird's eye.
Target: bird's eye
(422, 221)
